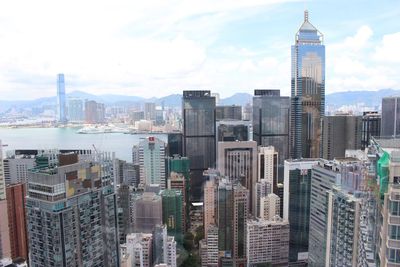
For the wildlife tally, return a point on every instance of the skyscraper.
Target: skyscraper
(340, 132)
(238, 161)
(232, 112)
(297, 193)
(2, 178)
(173, 212)
(308, 91)
(75, 110)
(198, 113)
(151, 151)
(271, 122)
(147, 212)
(390, 116)
(72, 213)
(16, 209)
(61, 106)
(150, 111)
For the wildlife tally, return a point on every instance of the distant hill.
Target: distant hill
(370, 98)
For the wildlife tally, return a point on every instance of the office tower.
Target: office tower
(297, 190)
(262, 189)
(16, 209)
(2, 178)
(75, 110)
(209, 205)
(209, 248)
(233, 130)
(147, 212)
(72, 213)
(308, 91)
(225, 216)
(267, 242)
(270, 207)
(271, 122)
(124, 203)
(228, 113)
(340, 132)
(346, 173)
(94, 112)
(171, 251)
(150, 111)
(173, 213)
(5, 245)
(344, 210)
(151, 151)
(268, 165)
(61, 108)
(139, 247)
(390, 116)
(175, 144)
(198, 113)
(240, 213)
(16, 167)
(238, 161)
(371, 126)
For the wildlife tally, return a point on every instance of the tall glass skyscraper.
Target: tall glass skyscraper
(308, 91)
(61, 116)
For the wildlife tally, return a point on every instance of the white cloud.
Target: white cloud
(388, 49)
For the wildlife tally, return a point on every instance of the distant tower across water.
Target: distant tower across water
(61, 107)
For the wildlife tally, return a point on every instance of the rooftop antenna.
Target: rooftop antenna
(306, 15)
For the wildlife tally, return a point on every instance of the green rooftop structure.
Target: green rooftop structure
(172, 212)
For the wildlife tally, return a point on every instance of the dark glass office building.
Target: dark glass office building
(390, 116)
(371, 126)
(198, 136)
(175, 144)
(271, 117)
(232, 112)
(308, 91)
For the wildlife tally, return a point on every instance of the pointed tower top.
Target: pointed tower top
(305, 15)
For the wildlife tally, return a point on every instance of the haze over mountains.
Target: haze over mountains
(369, 98)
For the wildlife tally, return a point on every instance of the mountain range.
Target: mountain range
(335, 100)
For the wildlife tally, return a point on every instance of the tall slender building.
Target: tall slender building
(61, 106)
(271, 122)
(371, 127)
(390, 116)
(2, 178)
(198, 112)
(308, 91)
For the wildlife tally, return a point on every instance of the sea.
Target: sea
(68, 138)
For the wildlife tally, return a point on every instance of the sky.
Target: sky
(161, 47)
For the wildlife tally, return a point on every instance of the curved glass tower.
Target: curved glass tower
(308, 91)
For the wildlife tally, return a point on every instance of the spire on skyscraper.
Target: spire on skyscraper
(308, 33)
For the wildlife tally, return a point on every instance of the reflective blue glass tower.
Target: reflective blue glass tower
(308, 91)
(61, 116)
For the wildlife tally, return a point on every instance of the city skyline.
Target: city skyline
(229, 47)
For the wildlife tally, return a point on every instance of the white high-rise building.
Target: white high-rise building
(16, 168)
(269, 207)
(151, 155)
(171, 251)
(139, 247)
(267, 164)
(262, 189)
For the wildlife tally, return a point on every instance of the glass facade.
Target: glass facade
(390, 116)
(198, 136)
(308, 91)
(61, 106)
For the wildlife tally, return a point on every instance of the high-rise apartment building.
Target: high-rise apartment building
(340, 132)
(371, 127)
(262, 189)
(75, 110)
(177, 181)
(308, 91)
(209, 248)
(151, 154)
(267, 242)
(5, 244)
(232, 112)
(16, 209)
(209, 205)
(138, 250)
(94, 112)
(238, 161)
(147, 212)
(390, 126)
(270, 207)
(2, 178)
(61, 106)
(150, 111)
(296, 207)
(271, 122)
(198, 113)
(240, 216)
(16, 167)
(173, 213)
(72, 213)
